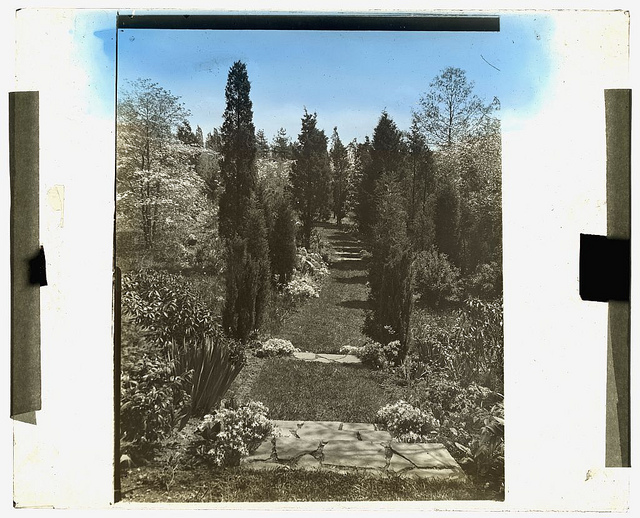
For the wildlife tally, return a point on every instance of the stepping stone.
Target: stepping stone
(305, 356)
(321, 430)
(398, 463)
(339, 358)
(290, 447)
(354, 454)
(285, 426)
(426, 455)
(358, 427)
(262, 453)
(376, 436)
(308, 462)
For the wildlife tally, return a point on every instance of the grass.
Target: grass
(335, 318)
(294, 389)
(242, 485)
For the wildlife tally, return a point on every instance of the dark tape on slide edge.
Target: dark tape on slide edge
(605, 268)
(27, 274)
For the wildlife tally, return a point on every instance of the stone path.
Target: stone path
(326, 358)
(344, 447)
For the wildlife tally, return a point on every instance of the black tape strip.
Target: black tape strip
(312, 22)
(38, 269)
(605, 268)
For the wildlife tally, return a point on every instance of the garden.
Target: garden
(235, 260)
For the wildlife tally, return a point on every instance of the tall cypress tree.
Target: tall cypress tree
(340, 176)
(241, 218)
(237, 166)
(311, 175)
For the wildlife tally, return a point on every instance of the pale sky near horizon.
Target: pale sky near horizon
(348, 78)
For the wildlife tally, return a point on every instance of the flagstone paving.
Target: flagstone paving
(327, 358)
(350, 446)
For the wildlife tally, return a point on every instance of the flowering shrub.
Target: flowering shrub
(231, 433)
(301, 287)
(276, 347)
(406, 422)
(376, 355)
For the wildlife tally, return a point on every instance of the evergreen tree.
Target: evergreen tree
(282, 246)
(386, 157)
(391, 295)
(198, 139)
(262, 146)
(447, 219)
(241, 218)
(237, 166)
(281, 146)
(311, 175)
(214, 141)
(184, 133)
(340, 173)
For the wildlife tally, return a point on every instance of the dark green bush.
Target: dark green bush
(436, 280)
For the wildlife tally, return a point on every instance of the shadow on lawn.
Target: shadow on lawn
(349, 265)
(355, 304)
(356, 279)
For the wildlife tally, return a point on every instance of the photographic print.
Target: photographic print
(309, 234)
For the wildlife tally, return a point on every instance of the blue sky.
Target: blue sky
(348, 78)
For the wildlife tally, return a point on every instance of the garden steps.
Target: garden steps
(334, 445)
(327, 358)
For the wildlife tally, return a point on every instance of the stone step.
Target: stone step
(348, 446)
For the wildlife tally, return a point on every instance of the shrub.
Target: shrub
(276, 347)
(486, 281)
(165, 305)
(436, 280)
(301, 288)
(231, 433)
(153, 399)
(376, 355)
(406, 422)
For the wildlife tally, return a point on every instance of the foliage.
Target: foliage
(486, 281)
(450, 113)
(301, 287)
(406, 422)
(311, 176)
(469, 348)
(248, 277)
(237, 166)
(160, 204)
(282, 244)
(436, 279)
(382, 156)
(447, 219)
(153, 399)
(214, 362)
(376, 355)
(340, 176)
(276, 347)
(281, 146)
(390, 269)
(231, 433)
(165, 305)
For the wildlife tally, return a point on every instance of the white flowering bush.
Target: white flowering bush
(301, 287)
(406, 422)
(231, 433)
(276, 347)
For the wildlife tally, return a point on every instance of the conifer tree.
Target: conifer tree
(241, 218)
(311, 175)
(198, 139)
(340, 176)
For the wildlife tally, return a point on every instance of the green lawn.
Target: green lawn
(295, 389)
(335, 318)
(242, 485)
